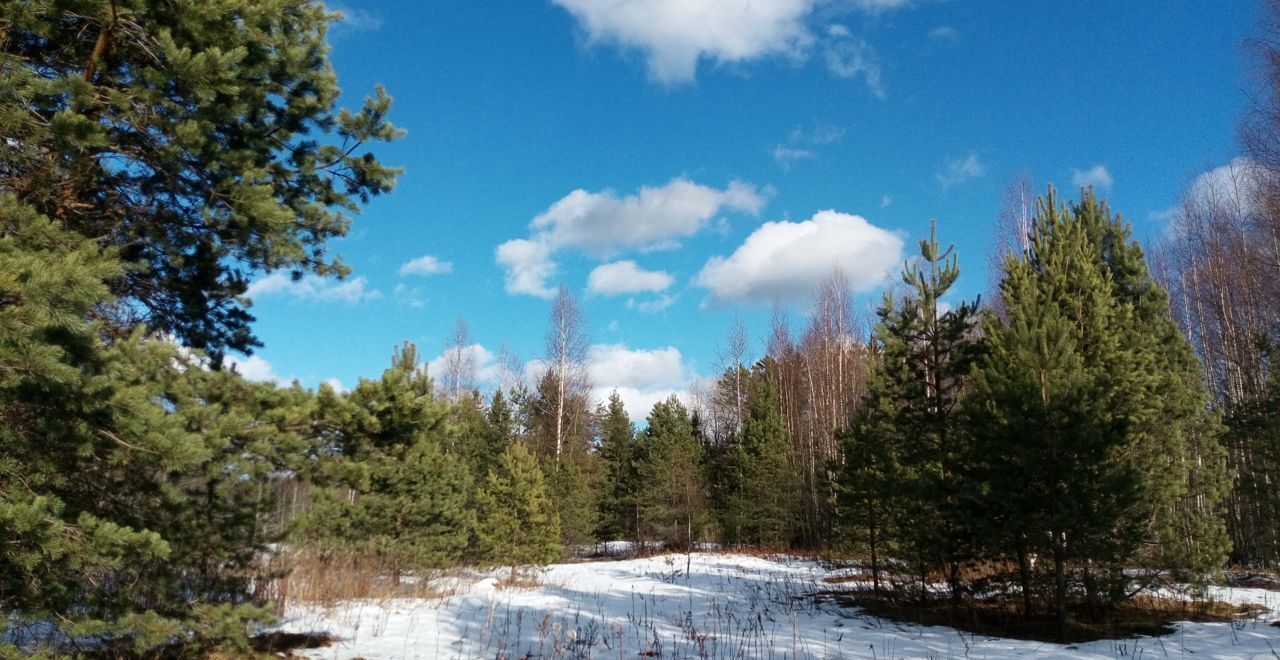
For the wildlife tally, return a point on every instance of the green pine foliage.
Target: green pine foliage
(395, 491)
(868, 502)
(1178, 436)
(518, 524)
(572, 483)
(409, 507)
(1087, 413)
(769, 492)
(202, 140)
(131, 478)
(499, 432)
(910, 423)
(619, 487)
(672, 498)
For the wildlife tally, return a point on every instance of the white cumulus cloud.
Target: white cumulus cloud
(1097, 177)
(674, 35)
(787, 260)
(426, 265)
(601, 224)
(625, 276)
(528, 266)
(642, 377)
(311, 287)
(254, 368)
(483, 360)
(1235, 186)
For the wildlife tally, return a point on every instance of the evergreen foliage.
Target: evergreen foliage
(910, 422)
(769, 491)
(619, 486)
(672, 488)
(130, 478)
(573, 485)
(518, 522)
(1086, 413)
(202, 140)
(396, 493)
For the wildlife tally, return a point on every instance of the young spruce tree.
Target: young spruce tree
(673, 495)
(770, 488)
(620, 489)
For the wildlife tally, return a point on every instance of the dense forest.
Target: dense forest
(1104, 420)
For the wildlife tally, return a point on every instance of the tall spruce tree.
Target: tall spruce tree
(770, 487)
(620, 487)
(673, 493)
(868, 487)
(203, 141)
(518, 523)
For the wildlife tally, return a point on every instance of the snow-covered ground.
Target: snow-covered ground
(728, 606)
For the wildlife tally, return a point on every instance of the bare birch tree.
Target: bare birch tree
(459, 362)
(566, 358)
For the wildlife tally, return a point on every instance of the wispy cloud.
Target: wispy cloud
(312, 288)
(944, 33)
(354, 19)
(848, 56)
(426, 265)
(788, 156)
(960, 170)
(804, 142)
(653, 305)
(1096, 177)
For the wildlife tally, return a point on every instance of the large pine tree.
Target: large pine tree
(132, 480)
(672, 485)
(1087, 413)
(912, 422)
(202, 140)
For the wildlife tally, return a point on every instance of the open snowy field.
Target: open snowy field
(728, 606)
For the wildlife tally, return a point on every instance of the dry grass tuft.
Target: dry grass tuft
(327, 579)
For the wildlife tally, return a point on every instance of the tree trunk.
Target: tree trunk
(1024, 575)
(873, 528)
(1060, 581)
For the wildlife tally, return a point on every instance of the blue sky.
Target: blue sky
(704, 157)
